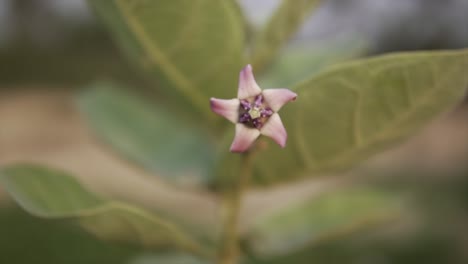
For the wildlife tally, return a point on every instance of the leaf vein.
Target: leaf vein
(156, 55)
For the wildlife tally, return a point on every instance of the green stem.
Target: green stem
(233, 200)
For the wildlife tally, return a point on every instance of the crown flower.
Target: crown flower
(254, 112)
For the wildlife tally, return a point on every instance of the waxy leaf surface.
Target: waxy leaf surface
(148, 134)
(194, 48)
(53, 194)
(351, 111)
(333, 215)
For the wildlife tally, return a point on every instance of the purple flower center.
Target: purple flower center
(253, 112)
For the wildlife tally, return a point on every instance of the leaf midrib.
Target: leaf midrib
(384, 131)
(156, 55)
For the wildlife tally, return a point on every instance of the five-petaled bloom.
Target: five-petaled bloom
(254, 112)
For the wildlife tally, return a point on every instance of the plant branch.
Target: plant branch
(233, 201)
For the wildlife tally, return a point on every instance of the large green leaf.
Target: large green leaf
(330, 216)
(147, 134)
(54, 194)
(286, 20)
(53, 242)
(351, 111)
(194, 47)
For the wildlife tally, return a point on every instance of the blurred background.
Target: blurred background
(50, 49)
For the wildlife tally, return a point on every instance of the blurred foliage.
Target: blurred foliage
(85, 55)
(166, 258)
(436, 238)
(335, 214)
(192, 50)
(26, 239)
(301, 61)
(431, 228)
(286, 20)
(149, 134)
(54, 194)
(421, 248)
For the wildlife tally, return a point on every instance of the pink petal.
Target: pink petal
(244, 138)
(274, 128)
(227, 108)
(248, 87)
(276, 98)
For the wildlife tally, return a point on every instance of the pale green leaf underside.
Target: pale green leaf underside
(54, 194)
(285, 21)
(353, 110)
(147, 134)
(330, 216)
(195, 46)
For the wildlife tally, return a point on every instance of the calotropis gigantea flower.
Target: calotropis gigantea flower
(254, 112)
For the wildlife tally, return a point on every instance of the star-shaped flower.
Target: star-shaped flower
(254, 112)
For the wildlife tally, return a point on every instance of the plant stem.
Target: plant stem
(233, 201)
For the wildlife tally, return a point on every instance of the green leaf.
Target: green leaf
(286, 20)
(331, 216)
(354, 110)
(54, 194)
(53, 242)
(147, 134)
(301, 61)
(194, 47)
